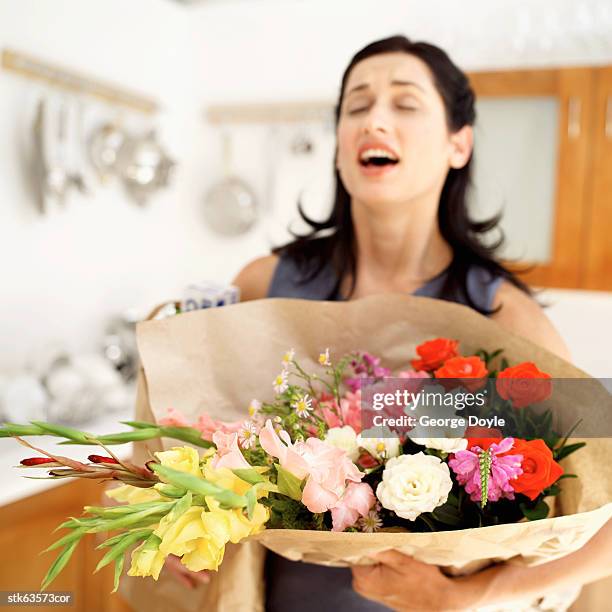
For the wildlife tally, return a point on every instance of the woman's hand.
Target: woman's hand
(402, 583)
(185, 576)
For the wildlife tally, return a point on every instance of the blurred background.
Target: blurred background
(149, 149)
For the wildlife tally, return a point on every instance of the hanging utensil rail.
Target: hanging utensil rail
(284, 112)
(33, 68)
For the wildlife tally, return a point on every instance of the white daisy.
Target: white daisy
(288, 358)
(280, 383)
(302, 406)
(371, 522)
(248, 434)
(254, 407)
(324, 358)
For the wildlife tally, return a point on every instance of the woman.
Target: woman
(399, 224)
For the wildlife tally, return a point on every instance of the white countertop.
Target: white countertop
(15, 486)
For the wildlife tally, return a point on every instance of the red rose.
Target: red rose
(482, 436)
(471, 371)
(434, 353)
(540, 470)
(524, 384)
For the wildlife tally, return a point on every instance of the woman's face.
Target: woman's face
(393, 142)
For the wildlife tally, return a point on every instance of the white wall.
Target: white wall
(63, 274)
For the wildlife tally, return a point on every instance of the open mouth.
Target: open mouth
(377, 157)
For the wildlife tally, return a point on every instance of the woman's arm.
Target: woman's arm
(255, 278)
(522, 315)
(403, 584)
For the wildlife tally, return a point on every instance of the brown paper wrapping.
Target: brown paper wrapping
(217, 360)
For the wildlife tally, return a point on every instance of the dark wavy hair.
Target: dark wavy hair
(333, 239)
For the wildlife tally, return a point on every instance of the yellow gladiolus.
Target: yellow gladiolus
(147, 559)
(178, 536)
(205, 556)
(133, 495)
(181, 458)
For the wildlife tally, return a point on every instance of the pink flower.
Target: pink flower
(228, 453)
(350, 410)
(174, 418)
(348, 413)
(368, 367)
(279, 445)
(208, 426)
(356, 502)
(466, 465)
(326, 468)
(327, 408)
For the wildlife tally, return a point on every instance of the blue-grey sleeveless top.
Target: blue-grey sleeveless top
(293, 586)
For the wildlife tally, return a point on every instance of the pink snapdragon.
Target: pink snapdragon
(326, 468)
(466, 465)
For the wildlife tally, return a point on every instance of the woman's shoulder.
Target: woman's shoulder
(255, 278)
(521, 314)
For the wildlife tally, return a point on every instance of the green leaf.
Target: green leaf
(58, 565)
(186, 434)
(288, 484)
(112, 541)
(170, 491)
(249, 475)
(138, 424)
(118, 571)
(552, 490)
(182, 505)
(448, 515)
(129, 538)
(251, 496)
(568, 449)
(539, 511)
(10, 430)
(135, 519)
(75, 535)
(62, 431)
(117, 511)
(199, 486)
(119, 438)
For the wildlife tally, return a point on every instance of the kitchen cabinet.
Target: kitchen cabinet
(543, 153)
(26, 528)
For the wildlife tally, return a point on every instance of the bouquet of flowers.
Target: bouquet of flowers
(320, 454)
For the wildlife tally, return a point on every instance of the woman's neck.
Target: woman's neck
(398, 251)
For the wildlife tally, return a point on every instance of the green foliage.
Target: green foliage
(536, 511)
(288, 484)
(286, 513)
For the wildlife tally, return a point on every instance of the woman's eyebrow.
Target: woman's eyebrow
(363, 86)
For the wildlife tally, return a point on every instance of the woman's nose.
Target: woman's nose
(376, 122)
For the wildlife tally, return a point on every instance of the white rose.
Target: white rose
(446, 445)
(383, 447)
(345, 439)
(413, 484)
